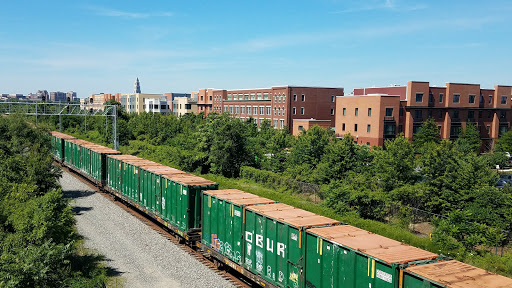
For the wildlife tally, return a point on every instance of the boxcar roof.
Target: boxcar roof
(456, 274)
(238, 197)
(189, 179)
(291, 215)
(62, 135)
(380, 247)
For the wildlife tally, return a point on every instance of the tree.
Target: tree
(469, 140)
(505, 142)
(427, 134)
(394, 165)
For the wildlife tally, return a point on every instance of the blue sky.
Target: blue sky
(181, 46)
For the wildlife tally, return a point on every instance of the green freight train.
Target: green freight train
(273, 244)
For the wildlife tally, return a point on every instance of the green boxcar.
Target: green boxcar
(181, 200)
(274, 242)
(223, 226)
(346, 256)
(452, 274)
(57, 144)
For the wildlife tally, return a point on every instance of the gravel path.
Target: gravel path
(143, 257)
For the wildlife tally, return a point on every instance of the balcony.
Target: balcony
(389, 118)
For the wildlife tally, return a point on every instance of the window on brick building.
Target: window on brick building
(456, 98)
(369, 111)
(418, 114)
(490, 99)
(333, 98)
(430, 98)
(488, 128)
(368, 128)
(343, 127)
(303, 97)
(295, 97)
(229, 97)
(471, 115)
(389, 112)
(301, 110)
(356, 111)
(269, 110)
(294, 111)
(429, 113)
(262, 110)
(503, 114)
(503, 99)
(344, 111)
(332, 111)
(455, 114)
(401, 112)
(255, 110)
(489, 114)
(441, 97)
(480, 114)
(355, 127)
(471, 99)
(419, 97)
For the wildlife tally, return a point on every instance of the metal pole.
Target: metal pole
(115, 141)
(36, 113)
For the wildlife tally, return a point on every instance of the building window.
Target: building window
(389, 112)
(294, 111)
(418, 114)
(301, 110)
(269, 110)
(259, 96)
(440, 114)
(488, 129)
(262, 110)
(343, 127)
(355, 127)
(419, 97)
(333, 98)
(490, 99)
(430, 98)
(357, 111)
(429, 113)
(441, 97)
(210, 98)
(282, 123)
(230, 109)
(275, 124)
(332, 111)
(401, 112)
(225, 108)
(201, 97)
(369, 111)
(455, 114)
(489, 114)
(368, 128)
(303, 97)
(471, 115)
(236, 110)
(265, 96)
(301, 128)
(456, 98)
(480, 114)
(246, 96)
(242, 110)
(503, 114)
(344, 111)
(253, 96)
(229, 97)
(503, 99)
(471, 99)
(400, 128)
(255, 110)
(294, 97)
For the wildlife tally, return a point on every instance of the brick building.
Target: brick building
(204, 99)
(281, 105)
(373, 114)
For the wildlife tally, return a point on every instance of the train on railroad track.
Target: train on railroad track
(273, 244)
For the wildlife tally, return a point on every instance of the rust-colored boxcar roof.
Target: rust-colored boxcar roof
(124, 157)
(456, 274)
(239, 197)
(189, 179)
(291, 215)
(380, 247)
(62, 135)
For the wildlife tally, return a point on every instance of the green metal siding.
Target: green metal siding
(273, 250)
(413, 281)
(223, 227)
(151, 190)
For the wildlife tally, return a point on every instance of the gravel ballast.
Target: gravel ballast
(141, 256)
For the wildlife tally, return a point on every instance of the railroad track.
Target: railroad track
(224, 271)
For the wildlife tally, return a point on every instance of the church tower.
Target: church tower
(137, 86)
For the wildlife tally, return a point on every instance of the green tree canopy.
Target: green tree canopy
(469, 140)
(428, 133)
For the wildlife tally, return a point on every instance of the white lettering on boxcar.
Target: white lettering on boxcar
(384, 276)
(280, 249)
(270, 245)
(259, 240)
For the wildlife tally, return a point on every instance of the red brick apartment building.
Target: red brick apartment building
(204, 99)
(281, 105)
(374, 114)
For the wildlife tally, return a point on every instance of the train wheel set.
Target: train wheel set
(270, 243)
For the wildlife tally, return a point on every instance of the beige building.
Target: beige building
(184, 105)
(135, 102)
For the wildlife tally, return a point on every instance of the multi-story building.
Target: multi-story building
(162, 105)
(204, 98)
(58, 96)
(135, 102)
(373, 114)
(171, 96)
(183, 105)
(281, 105)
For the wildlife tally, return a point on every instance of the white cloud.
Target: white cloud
(107, 12)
